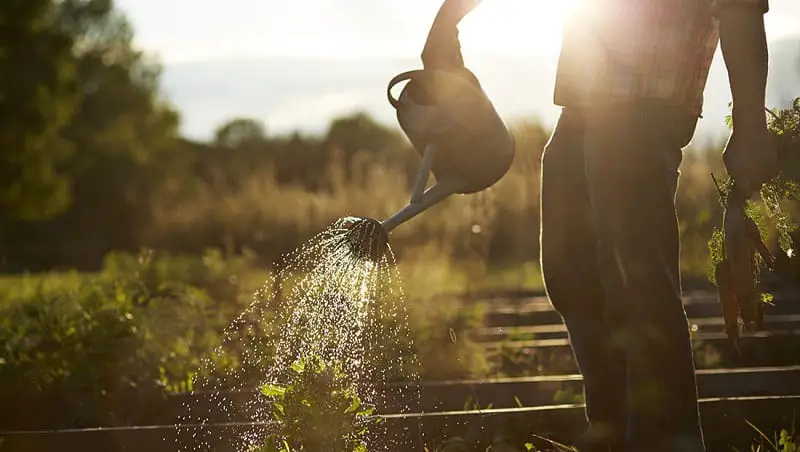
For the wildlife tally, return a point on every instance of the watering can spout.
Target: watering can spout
(427, 199)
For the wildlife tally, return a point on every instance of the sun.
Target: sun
(515, 27)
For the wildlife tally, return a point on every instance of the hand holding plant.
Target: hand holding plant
(738, 252)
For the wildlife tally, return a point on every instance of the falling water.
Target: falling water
(338, 298)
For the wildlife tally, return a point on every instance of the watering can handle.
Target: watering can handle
(408, 75)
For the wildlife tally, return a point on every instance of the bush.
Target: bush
(137, 330)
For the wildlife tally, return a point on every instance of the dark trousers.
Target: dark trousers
(610, 261)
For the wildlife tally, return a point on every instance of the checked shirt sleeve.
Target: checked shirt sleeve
(717, 5)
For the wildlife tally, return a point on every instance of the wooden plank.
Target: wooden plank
(541, 303)
(542, 314)
(723, 421)
(541, 391)
(710, 325)
(502, 295)
(705, 337)
(501, 299)
(500, 393)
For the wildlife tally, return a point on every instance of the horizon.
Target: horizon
(363, 43)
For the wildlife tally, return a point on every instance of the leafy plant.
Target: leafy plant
(737, 251)
(568, 396)
(319, 410)
(473, 404)
(785, 441)
(106, 348)
(459, 444)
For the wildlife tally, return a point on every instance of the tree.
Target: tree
(240, 132)
(121, 130)
(361, 133)
(37, 99)
(89, 91)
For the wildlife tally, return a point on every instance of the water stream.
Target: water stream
(338, 298)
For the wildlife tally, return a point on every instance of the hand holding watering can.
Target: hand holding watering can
(443, 50)
(449, 120)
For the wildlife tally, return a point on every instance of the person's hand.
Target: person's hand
(751, 157)
(453, 11)
(443, 49)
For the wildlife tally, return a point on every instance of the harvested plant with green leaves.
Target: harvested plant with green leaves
(738, 251)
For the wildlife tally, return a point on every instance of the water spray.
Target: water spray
(451, 123)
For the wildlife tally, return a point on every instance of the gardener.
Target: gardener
(630, 80)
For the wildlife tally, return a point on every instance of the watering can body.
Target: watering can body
(448, 113)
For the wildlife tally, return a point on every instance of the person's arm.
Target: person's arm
(443, 49)
(750, 155)
(744, 49)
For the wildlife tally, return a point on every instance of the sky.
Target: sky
(295, 63)
(192, 30)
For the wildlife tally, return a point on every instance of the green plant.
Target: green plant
(473, 404)
(318, 410)
(516, 361)
(459, 444)
(785, 441)
(104, 348)
(737, 251)
(568, 396)
(783, 186)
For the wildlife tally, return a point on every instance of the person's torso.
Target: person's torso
(627, 50)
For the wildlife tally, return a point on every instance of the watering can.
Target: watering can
(450, 121)
(451, 124)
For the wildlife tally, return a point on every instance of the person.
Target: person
(630, 82)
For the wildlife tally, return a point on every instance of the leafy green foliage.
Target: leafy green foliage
(784, 186)
(784, 441)
(318, 410)
(74, 351)
(37, 98)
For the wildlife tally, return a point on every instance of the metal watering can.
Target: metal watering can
(450, 121)
(454, 127)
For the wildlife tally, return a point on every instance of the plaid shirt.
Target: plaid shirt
(622, 50)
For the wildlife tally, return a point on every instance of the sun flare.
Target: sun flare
(515, 27)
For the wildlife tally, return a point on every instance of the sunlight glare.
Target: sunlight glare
(515, 27)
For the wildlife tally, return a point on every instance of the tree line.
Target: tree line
(93, 162)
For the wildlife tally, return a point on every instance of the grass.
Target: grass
(18, 287)
(784, 441)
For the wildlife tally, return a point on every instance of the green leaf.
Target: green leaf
(298, 366)
(355, 404)
(272, 390)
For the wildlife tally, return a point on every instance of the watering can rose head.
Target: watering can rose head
(364, 238)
